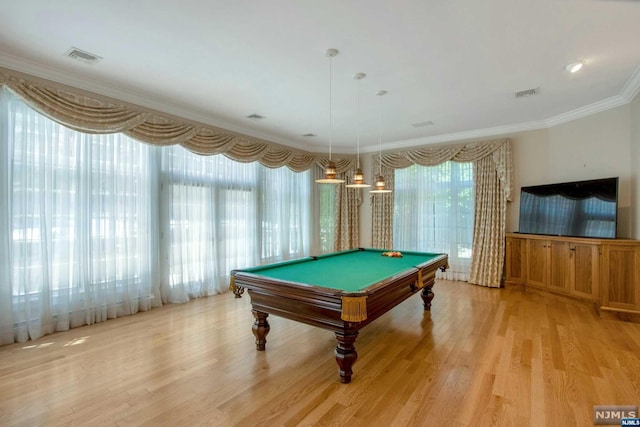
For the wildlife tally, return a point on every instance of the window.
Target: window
(433, 211)
(223, 215)
(98, 226)
(80, 223)
(285, 214)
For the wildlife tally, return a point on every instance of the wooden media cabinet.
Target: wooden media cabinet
(603, 271)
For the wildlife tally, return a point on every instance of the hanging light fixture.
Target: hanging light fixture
(330, 171)
(358, 177)
(379, 184)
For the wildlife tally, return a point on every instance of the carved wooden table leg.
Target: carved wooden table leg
(260, 329)
(346, 354)
(427, 296)
(237, 291)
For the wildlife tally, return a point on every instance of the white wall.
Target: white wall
(635, 166)
(530, 167)
(597, 146)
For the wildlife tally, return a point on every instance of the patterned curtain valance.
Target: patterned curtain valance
(91, 114)
(499, 150)
(493, 187)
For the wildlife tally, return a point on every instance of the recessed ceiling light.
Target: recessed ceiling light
(255, 117)
(308, 135)
(574, 67)
(422, 124)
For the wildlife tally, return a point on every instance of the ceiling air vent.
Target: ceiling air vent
(255, 117)
(83, 56)
(527, 92)
(422, 124)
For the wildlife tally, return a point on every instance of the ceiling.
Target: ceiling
(455, 63)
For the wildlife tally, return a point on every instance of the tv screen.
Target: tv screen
(576, 209)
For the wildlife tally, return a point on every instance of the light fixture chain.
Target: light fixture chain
(358, 176)
(330, 102)
(380, 135)
(358, 123)
(330, 172)
(379, 185)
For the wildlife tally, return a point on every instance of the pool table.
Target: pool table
(341, 292)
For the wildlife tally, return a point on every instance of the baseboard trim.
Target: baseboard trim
(618, 314)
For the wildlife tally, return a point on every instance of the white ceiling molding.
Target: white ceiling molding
(132, 97)
(632, 87)
(588, 110)
(630, 90)
(463, 136)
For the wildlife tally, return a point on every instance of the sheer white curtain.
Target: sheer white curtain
(433, 212)
(98, 226)
(77, 225)
(326, 214)
(285, 218)
(219, 215)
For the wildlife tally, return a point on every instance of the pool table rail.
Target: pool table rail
(325, 307)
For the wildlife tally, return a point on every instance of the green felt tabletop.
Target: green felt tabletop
(347, 271)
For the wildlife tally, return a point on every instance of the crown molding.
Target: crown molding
(627, 94)
(462, 136)
(587, 110)
(629, 91)
(632, 87)
(132, 97)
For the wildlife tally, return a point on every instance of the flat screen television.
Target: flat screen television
(576, 209)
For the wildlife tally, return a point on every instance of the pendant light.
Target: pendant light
(358, 177)
(379, 184)
(330, 171)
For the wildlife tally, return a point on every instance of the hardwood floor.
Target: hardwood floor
(482, 357)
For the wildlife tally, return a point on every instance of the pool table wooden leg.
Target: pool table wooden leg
(346, 354)
(427, 296)
(260, 329)
(238, 291)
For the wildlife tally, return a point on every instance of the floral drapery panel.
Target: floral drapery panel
(382, 213)
(490, 208)
(347, 202)
(493, 186)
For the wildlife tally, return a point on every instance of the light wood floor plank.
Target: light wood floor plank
(482, 357)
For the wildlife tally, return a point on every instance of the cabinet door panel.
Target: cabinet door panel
(620, 276)
(560, 263)
(537, 263)
(586, 271)
(515, 262)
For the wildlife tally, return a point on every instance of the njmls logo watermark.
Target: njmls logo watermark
(625, 415)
